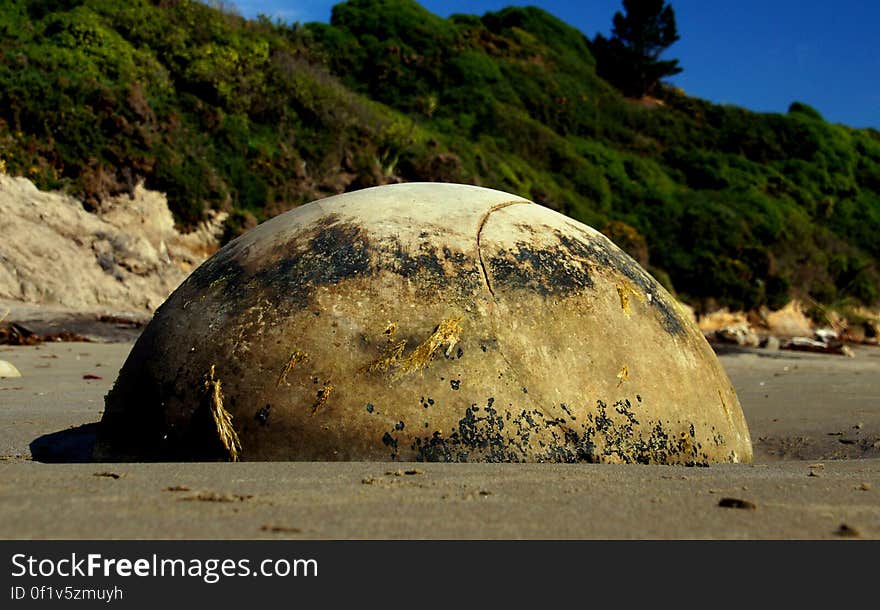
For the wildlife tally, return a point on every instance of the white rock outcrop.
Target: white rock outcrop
(127, 256)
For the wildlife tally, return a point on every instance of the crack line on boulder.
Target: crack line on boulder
(483, 221)
(535, 403)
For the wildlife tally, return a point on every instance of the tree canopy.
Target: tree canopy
(630, 59)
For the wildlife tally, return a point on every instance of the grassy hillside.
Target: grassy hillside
(724, 205)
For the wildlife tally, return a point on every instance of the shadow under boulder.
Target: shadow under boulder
(74, 445)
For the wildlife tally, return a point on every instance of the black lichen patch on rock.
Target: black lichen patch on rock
(390, 441)
(603, 253)
(547, 271)
(567, 268)
(262, 416)
(327, 253)
(426, 262)
(483, 434)
(336, 251)
(220, 271)
(431, 269)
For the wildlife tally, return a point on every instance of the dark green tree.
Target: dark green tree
(630, 59)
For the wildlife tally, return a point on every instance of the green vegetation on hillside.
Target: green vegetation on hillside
(724, 205)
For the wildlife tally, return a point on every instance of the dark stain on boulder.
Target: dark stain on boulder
(547, 271)
(262, 416)
(608, 435)
(602, 252)
(425, 262)
(329, 252)
(335, 253)
(432, 270)
(390, 441)
(564, 269)
(220, 270)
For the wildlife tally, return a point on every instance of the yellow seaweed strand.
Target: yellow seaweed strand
(323, 396)
(448, 333)
(623, 375)
(390, 355)
(222, 417)
(295, 358)
(624, 290)
(624, 300)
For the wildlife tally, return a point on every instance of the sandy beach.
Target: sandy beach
(814, 420)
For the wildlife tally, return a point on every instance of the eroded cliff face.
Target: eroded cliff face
(127, 256)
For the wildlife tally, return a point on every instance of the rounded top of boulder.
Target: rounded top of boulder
(423, 321)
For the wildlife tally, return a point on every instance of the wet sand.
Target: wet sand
(814, 420)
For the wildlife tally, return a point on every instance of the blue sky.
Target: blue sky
(759, 54)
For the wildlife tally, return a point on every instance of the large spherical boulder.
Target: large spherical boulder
(430, 322)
